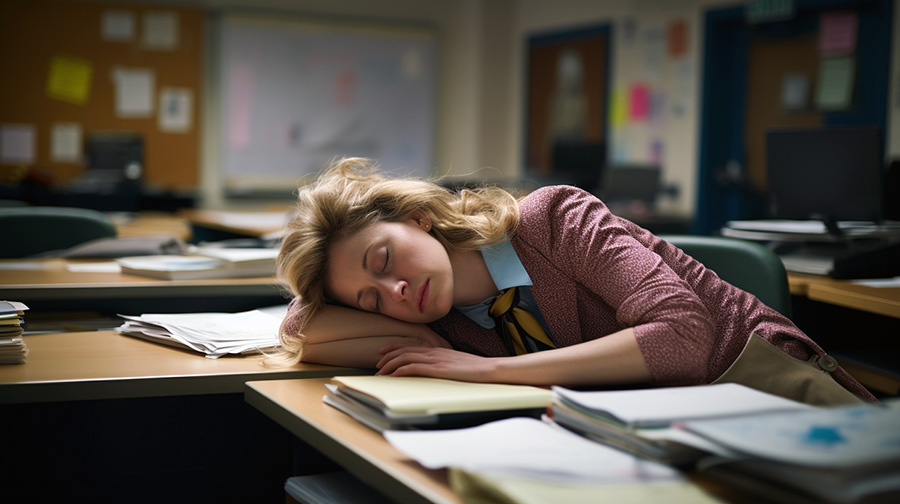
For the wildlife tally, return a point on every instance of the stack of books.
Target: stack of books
(412, 403)
(204, 262)
(212, 334)
(767, 445)
(646, 422)
(12, 346)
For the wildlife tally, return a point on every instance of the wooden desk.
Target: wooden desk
(47, 285)
(225, 224)
(151, 224)
(880, 300)
(103, 416)
(856, 323)
(297, 406)
(107, 365)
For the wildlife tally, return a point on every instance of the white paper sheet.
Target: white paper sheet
(160, 30)
(662, 406)
(117, 26)
(526, 446)
(176, 107)
(65, 144)
(134, 91)
(17, 143)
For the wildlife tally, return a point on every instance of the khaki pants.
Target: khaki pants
(763, 366)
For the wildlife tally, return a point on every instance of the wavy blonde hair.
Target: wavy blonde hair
(351, 194)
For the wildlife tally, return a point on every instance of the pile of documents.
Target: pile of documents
(389, 402)
(647, 422)
(763, 443)
(204, 262)
(213, 334)
(12, 346)
(613, 443)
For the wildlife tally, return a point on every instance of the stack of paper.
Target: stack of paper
(388, 402)
(645, 422)
(12, 347)
(527, 461)
(213, 334)
(843, 454)
(204, 262)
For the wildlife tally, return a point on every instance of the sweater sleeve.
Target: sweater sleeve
(599, 251)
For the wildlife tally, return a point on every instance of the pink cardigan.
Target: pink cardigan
(595, 273)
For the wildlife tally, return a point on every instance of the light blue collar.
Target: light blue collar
(507, 271)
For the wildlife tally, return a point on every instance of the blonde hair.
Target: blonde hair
(351, 194)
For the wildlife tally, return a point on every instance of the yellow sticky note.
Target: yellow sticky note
(70, 79)
(618, 108)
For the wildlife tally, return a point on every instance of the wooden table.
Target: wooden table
(152, 224)
(52, 290)
(101, 416)
(209, 225)
(107, 365)
(880, 300)
(863, 338)
(297, 406)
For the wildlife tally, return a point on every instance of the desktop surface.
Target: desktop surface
(297, 406)
(106, 365)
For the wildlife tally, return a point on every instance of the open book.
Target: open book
(646, 421)
(387, 402)
(204, 262)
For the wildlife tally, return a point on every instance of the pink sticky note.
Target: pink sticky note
(639, 99)
(837, 32)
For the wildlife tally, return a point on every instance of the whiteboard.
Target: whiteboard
(296, 94)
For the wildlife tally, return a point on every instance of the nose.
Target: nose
(397, 290)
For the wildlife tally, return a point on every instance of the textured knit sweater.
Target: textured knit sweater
(595, 273)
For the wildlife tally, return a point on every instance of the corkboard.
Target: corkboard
(33, 32)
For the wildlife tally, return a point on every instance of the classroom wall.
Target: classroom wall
(38, 38)
(481, 75)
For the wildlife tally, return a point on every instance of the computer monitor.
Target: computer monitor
(579, 163)
(627, 184)
(833, 174)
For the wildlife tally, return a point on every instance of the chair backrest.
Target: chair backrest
(746, 265)
(32, 230)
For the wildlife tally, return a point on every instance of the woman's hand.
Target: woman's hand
(409, 359)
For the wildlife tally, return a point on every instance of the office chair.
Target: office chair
(746, 265)
(31, 230)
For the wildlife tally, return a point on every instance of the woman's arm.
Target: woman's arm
(615, 358)
(341, 336)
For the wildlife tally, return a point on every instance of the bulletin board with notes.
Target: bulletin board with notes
(74, 69)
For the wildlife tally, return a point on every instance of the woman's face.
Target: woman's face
(393, 268)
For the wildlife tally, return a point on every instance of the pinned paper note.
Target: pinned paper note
(175, 109)
(676, 38)
(795, 92)
(835, 88)
(639, 102)
(65, 143)
(618, 109)
(134, 92)
(160, 30)
(117, 26)
(17, 143)
(837, 32)
(70, 79)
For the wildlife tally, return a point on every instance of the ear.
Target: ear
(421, 219)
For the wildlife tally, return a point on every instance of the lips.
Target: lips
(422, 295)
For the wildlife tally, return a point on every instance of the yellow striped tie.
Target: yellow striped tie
(521, 331)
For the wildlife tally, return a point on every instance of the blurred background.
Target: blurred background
(661, 107)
